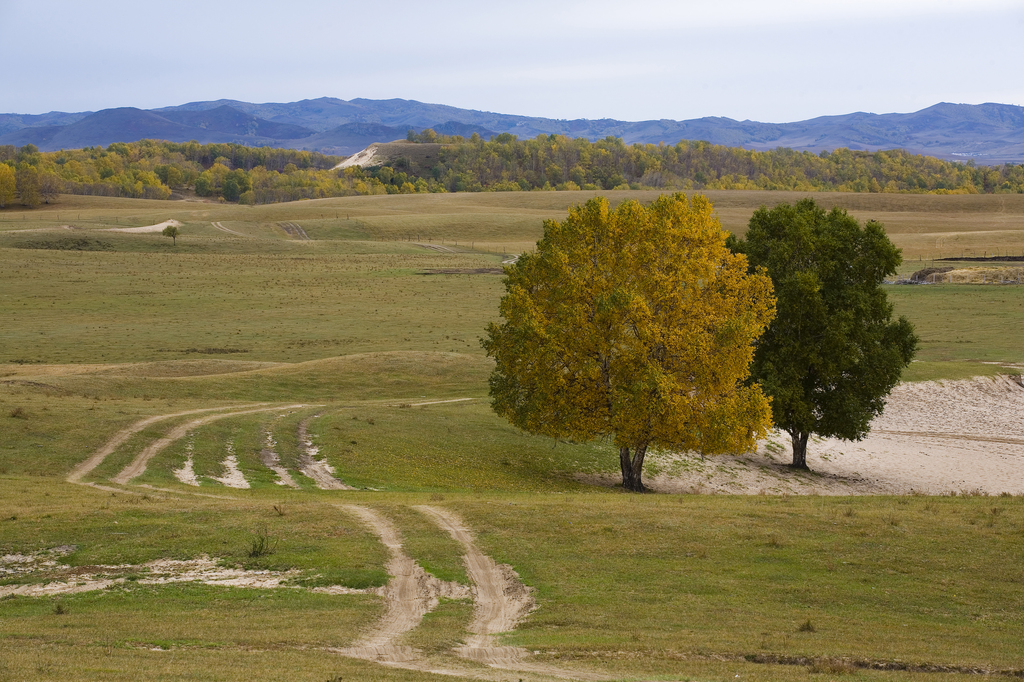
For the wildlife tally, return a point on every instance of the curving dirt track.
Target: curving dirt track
(409, 595)
(121, 436)
(221, 227)
(501, 599)
(138, 465)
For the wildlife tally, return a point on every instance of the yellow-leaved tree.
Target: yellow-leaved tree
(638, 324)
(8, 185)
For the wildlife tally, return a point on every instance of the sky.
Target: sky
(763, 60)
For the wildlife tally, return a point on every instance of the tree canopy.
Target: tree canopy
(833, 352)
(637, 324)
(173, 232)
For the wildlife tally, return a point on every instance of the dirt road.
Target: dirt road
(138, 465)
(121, 436)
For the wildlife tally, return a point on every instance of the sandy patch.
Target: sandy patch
(233, 476)
(69, 580)
(187, 473)
(361, 158)
(933, 438)
(159, 227)
(271, 460)
(317, 469)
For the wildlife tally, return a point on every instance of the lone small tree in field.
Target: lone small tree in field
(172, 231)
(636, 323)
(833, 352)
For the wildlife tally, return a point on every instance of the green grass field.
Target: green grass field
(102, 329)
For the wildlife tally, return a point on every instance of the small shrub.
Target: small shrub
(279, 508)
(806, 627)
(60, 609)
(19, 413)
(774, 540)
(261, 545)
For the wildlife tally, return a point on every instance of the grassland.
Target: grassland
(349, 325)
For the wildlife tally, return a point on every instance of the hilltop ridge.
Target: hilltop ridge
(987, 133)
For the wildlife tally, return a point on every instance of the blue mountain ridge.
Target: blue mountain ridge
(987, 133)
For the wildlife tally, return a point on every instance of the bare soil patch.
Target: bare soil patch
(271, 460)
(146, 229)
(317, 469)
(933, 438)
(233, 476)
(54, 578)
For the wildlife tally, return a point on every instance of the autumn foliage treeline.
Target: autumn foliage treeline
(155, 170)
(558, 162)
(259, 175)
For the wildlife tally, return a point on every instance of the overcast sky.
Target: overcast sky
(765, 60)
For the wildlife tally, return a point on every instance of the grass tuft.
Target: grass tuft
(262, 544)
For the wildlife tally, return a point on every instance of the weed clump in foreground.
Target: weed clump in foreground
(806, 626)
(261, 545)
(19, 413)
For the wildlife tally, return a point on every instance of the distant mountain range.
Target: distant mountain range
(987, 133)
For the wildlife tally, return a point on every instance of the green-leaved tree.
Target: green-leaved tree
(173, 232)
(637, 324)
(833, 352)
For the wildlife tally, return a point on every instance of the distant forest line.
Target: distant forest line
(259, 175)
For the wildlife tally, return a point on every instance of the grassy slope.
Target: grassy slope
(645, 586)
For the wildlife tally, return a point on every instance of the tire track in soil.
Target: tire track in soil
(293, 230)
(124, 434)
(271, 460)
(502, 600)
(409, 595)
(138, 465)
(317, 469)
(230, 231)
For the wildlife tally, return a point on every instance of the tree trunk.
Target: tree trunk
(632, 468)
(799, 449)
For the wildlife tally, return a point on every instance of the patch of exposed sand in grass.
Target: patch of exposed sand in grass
(933, 438)
(233, 476)
(146, 229)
